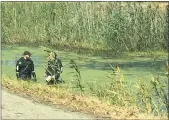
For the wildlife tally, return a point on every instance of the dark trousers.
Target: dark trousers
(25, 77)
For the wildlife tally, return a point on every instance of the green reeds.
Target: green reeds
(77, 76)
(115, 26)
(147, 97)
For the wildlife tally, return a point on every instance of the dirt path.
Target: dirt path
(16, 107)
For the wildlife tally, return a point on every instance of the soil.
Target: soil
(17, 107)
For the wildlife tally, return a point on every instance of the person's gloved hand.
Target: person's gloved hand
(17, 75)
(61, 69)
(34, 76)
(48, 78)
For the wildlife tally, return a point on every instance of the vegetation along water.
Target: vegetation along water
(115, 51)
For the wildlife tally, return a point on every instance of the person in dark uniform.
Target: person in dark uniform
(25, 67)
(54, 69)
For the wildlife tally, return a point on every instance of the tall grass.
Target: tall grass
(115, 26)
(78, 79)
(149, 98)
(61, 96)
(153, 98)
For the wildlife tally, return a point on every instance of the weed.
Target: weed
(77, 76)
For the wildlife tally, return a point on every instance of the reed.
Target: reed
(114, 26)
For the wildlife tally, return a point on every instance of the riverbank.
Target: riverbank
(59, 96)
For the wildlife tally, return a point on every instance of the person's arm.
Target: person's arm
(33, 72)
(47, 72)
(18, 69)
(60, 65)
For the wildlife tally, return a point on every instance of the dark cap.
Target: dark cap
(27, 53)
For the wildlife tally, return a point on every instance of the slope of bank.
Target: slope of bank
(59, 96)
(16, 107)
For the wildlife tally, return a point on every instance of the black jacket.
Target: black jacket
(24, 67)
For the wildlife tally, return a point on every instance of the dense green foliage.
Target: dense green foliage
(115, 26)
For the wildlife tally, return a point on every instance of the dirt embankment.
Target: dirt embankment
(16, 107)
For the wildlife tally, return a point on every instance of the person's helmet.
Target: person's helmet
(27, 53)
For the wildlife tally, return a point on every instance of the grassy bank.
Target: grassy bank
(99, 26)
(59, 95)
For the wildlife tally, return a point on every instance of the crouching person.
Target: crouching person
(25, 67)
(54, 69)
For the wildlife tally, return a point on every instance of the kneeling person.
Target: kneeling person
(54, 69)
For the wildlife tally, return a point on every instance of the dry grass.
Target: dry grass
(115, 26)
(60, 96)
